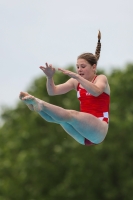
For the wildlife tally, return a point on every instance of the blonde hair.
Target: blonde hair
(91, 58)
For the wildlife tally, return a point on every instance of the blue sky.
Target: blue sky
(57, 31)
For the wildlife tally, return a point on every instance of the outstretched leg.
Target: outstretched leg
(24, 94)
(31, 107)
(67, 127)
(73, 133)
(85, 124)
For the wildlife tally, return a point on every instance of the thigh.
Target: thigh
(89, 126)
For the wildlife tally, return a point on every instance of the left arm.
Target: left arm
(96, 88)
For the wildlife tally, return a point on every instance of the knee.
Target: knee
(72, 115)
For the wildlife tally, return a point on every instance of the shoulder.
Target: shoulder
(102, 81)
(74, 82)
(101, 78)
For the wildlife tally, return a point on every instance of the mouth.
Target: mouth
(81, 74)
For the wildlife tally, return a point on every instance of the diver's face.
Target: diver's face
(85, 69)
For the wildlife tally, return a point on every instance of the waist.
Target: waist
(102, 115)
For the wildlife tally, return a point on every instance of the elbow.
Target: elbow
(97, 93)
(51, 94)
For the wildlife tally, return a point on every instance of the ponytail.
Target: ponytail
(98, 48)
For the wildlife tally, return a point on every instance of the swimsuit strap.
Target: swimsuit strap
(94, 79)
(91, 82)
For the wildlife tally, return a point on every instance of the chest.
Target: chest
(82, 93)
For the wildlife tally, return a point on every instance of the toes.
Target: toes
(28, 99)
(23, 94)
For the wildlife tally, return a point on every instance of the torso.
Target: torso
(75, 82)
(97, 106)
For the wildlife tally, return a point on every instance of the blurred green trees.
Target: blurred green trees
(39, 161)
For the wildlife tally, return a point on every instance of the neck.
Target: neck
(92, 78)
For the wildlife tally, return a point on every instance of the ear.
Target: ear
(94, 67)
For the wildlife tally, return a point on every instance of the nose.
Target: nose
(80, 69)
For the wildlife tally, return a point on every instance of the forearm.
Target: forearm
(98, 87)
(89, 87)
(50, 86)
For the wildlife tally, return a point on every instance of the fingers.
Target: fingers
(47, 66)
(41, 67)
(64, 71)
(61, 70)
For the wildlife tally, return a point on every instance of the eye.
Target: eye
(77, 67)
(83, 66)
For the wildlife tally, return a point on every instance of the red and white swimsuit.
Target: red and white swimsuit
(97, 106)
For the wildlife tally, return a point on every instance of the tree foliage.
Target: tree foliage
(40, 161)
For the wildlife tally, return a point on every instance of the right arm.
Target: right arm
(56, 89)
(59, 89)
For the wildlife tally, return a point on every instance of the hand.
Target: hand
(69, 73)
(48, 70)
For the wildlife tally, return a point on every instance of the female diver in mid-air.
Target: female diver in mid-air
(90, 125)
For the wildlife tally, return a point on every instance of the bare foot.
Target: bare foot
(24, 94)
(31, 100)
